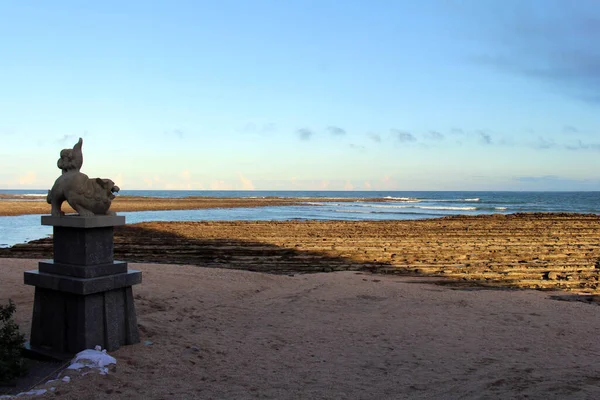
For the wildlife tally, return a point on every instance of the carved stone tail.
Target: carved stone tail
(78, 154)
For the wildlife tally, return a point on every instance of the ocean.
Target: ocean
(396, 205)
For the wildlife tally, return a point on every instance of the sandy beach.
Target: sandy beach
(20, 205)
(215, 333)
(438, 308)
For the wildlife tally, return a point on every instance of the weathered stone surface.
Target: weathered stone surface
(83, 240)
(81, 322)
(552, 275)
(76, 221)
(86, 196)
(83, 246)
(83, 297)
(82, 286)
(82, 271)
(132, 333)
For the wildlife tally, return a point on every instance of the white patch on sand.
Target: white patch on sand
(96, 359)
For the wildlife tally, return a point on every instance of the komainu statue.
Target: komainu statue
(87, 196)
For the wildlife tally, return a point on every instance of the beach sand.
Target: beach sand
(210, 333)
(20, 205)
(436, 320)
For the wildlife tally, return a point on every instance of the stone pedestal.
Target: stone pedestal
(83, 297)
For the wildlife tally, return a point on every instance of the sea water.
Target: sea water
(364, 205)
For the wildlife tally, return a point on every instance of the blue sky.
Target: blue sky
(301, 95)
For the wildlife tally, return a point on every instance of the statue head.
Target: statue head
(71, 159)
(108, 186)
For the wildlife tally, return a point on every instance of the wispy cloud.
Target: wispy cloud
(570, 129)
(67, 139)
(554, 46)
(485, 137)
(580, 145)
(554, 182)
(336, 130)
(246, 183)
(304, 133)
(151, 182)
(376, 137)
(357, 147)
(402, 136)
(434, 135)
(6, 131)
(543, 143)
(184, 180)
(268, 127)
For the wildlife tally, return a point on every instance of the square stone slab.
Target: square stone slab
(82, 286)
(83, 246)
(82, 271)
(76, 221)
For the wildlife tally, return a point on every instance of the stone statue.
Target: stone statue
(87, 196)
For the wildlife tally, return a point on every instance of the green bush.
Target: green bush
(12, 364)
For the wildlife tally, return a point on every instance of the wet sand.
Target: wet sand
(210, 333)
(20, 205)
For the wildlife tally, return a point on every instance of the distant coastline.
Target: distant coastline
(471, 202)
(20, 209)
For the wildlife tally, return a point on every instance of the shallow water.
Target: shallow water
(391, 206)
(22, 229)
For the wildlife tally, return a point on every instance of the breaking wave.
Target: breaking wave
(406, 199)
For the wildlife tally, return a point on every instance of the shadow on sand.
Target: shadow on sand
(290, 255)
(142, 244)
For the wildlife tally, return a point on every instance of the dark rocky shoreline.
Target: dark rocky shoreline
(542, 251)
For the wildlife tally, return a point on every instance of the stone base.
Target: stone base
(44, 354)
(82, 286)
(83, 298)
(83, 240)
(83, 271)
(64, 323)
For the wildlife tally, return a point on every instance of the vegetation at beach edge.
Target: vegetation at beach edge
(12, 363)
